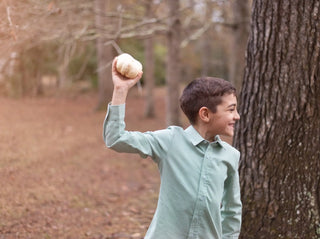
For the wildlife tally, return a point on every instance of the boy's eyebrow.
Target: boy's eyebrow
(232, 105)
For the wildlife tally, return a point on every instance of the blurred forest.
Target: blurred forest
(62, 45)
(51, 50)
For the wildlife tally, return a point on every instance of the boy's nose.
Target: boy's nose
(237, 116)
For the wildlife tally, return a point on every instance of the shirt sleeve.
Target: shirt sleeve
(153, 144)
(231, 206)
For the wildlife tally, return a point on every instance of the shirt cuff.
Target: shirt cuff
(235, 236)
(115, 112)
(230, 237)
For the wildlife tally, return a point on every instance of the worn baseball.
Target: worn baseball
(128, 66)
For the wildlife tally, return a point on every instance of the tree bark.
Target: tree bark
(278, 134)
(240, 9)
(105, 55)
(173, 63)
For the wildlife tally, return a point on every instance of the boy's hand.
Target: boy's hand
(121, 81)
(121, 84)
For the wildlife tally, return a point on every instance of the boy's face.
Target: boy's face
(223, 120)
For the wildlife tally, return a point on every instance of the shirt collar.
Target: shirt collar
(219, 141)
(196, 138)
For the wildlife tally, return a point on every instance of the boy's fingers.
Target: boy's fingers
(114, 63)
(138, 77)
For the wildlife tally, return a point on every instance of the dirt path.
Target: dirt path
(58, 180)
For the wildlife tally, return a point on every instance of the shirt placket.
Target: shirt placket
(201, 198)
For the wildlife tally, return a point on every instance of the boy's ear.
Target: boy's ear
(204, 114)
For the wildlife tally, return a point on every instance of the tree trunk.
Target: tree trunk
(15, 85)
(278, 134)
(206, 39)
(62, 68)
(66, 53)
(149, 69)
(105, 55)
(240, 9)
(173, 63)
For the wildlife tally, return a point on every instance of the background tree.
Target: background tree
(240, 33)
(278, 134)
(149, 66)
(173, 63)
(206, 50)
(105, 52)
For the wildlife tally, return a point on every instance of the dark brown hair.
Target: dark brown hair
(204, 92)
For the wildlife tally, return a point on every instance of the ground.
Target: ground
(57, 178)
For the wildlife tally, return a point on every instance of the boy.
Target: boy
(199, 193)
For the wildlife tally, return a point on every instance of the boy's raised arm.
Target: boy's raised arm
(121, 85)
(151, 144)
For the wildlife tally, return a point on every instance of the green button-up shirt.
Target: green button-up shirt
(199, 192)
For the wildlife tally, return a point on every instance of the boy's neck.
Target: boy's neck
(203, 131)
